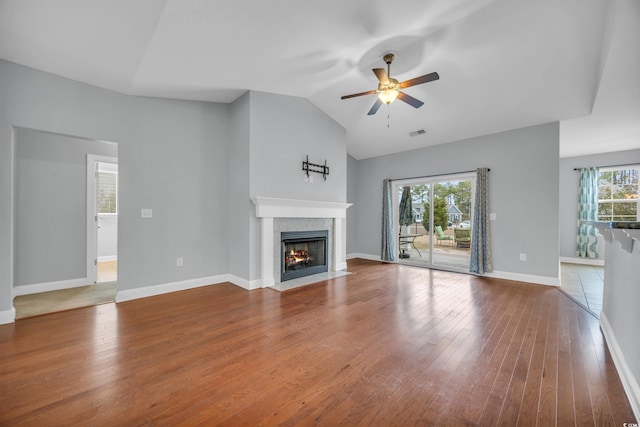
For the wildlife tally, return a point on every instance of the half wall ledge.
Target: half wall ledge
(626, 233)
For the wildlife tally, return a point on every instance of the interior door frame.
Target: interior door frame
(92, 214)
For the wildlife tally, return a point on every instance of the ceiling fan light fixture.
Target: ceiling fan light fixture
(388, 92)
(388, 96)
(389, 88)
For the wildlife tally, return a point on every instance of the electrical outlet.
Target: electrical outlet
(523, 257)
(179, 262)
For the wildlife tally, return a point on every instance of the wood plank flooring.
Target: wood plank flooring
(387, 345)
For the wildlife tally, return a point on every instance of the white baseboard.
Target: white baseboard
(583, 261)
(244, 283)
(629, 383)
(165, 288)
(7, 316)
(529, 278)
(107, 258)
(364, 256)
(36, 288)
(341, 266)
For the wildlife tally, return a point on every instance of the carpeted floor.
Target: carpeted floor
(65, 299)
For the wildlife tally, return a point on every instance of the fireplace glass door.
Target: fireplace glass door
(303, 253)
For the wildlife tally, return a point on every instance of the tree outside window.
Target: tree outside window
(618, 194)
(107, 192)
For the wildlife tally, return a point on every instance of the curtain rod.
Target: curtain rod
(609, 166)
(433, 176)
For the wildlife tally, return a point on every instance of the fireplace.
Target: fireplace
(279, 215)
(303, 253)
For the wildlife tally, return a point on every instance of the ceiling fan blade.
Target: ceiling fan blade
(416, 103)
(371, 92)
(375, 108)
(382, 76)
(419, 80)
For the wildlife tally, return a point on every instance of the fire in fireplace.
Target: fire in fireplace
(303, 253)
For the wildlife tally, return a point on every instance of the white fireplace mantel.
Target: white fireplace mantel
(268, 208)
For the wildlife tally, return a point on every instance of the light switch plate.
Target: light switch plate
(146, 213)
(492, 216)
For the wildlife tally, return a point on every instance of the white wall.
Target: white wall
(172, 158)
(569, 194)
(523, 194)
(107, 237)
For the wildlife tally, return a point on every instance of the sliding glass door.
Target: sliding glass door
(432, 219)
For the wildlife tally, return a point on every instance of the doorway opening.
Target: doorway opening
(51, 226)
(102, 218)
(432, 219)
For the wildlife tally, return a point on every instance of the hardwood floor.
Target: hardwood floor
(387, 345)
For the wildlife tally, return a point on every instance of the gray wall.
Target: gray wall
(352, 212)
(51, 205)
(284, 130)
(524, 192)
(172, 158)
(239, 204)
(569, 192)
(620, 314)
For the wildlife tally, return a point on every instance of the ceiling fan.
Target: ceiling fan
(389, 88)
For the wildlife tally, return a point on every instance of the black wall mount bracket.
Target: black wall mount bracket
(313, 167)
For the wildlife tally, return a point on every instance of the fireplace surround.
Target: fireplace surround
(298, 215)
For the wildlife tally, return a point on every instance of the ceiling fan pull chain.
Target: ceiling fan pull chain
(388, 116)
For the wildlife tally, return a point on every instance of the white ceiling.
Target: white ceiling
(503, 64)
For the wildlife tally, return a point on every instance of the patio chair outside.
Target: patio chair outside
(463, 237)
(441, 236)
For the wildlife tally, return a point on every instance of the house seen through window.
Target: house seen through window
(618, 194)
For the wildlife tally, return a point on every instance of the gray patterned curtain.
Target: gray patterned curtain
(587, 238)
(388, 249)
(481, 259)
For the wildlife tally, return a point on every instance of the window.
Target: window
(107, 192)
(618, 194)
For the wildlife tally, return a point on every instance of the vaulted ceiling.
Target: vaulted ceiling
(503, 64)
